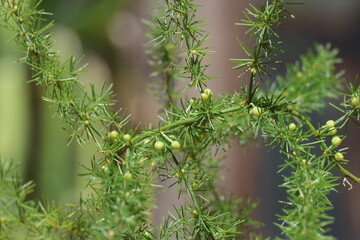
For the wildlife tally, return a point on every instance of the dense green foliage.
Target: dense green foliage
(180, 150)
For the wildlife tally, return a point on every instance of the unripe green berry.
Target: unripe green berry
(127, 176)
(192, 101)
(113, 135)
(355, 101)
(111, 234)
(304, 162)
(330, 124)
(175, 145)
(87, 123)
(332, 131)
(104, 168)
(147, 235)
(335, 141)
(61, 84)
(32, 48)
(339, 156)
(208, 91)
(159, 145)
(292, 126)
(127, 137)
(204, 96)
(256, 111)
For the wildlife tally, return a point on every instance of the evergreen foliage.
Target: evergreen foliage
(181, 148)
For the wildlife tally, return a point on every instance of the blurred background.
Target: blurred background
(111, 37)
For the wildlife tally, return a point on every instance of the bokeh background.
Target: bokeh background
(111, 37)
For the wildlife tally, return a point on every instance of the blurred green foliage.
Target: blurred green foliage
(29, 132)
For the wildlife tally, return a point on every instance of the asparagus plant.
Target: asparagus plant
(123, 176)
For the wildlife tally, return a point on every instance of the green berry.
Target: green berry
(159, 145)
(355, 101)
(339, 156)
(111, 234)
(192, 101)
(330, 124)
(104, 168)
(335, 141)
(256, 111)
(292, 126)
(332, 131)
(127, 176)
(175, 145)
(147, 235)
(113, 135)
(204, 97)
(208, 91)
(127, 137)
(61, 84)
(32, 48)
(194, 52)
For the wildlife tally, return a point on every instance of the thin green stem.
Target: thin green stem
(167, 127)
(177, 124)
(250, 91)
(169, 85)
